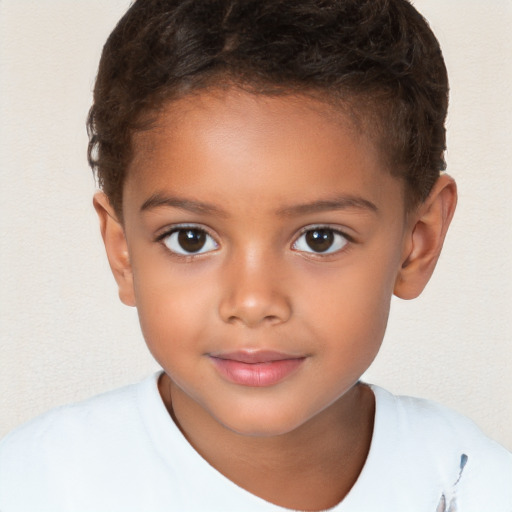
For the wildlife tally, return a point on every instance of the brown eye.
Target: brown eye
(320, 241)
(189, 241)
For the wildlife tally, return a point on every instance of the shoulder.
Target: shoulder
(64, 443)
(472, 466)
(434, 424)
(73, 419)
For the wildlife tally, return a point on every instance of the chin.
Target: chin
(264, 425)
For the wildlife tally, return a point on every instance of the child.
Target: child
(270, 175)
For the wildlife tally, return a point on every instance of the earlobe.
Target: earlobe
(425, 237)
(114, 239)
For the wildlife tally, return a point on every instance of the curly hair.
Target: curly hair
(379, 57)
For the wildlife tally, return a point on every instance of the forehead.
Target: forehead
(273, 148)
(233, 107)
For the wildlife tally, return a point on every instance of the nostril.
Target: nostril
(252, 314)
(252, 321)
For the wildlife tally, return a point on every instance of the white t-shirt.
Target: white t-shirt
(121, 451)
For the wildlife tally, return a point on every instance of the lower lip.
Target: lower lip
(256, 374)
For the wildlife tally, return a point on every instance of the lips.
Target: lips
(256, 369)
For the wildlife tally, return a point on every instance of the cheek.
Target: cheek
(174, 308)
(351, 308)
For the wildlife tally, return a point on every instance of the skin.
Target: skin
(267, 168)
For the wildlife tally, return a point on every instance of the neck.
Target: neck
(312, 467)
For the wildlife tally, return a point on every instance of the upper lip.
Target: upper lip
(254, 356)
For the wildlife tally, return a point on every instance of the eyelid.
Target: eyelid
(168, 230)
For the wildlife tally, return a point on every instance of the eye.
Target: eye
(188, 240)
(320, 240)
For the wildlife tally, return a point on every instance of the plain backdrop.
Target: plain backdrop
(64, 335)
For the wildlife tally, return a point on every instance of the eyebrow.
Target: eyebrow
(337, 203)
(158, 200)
(343, 202)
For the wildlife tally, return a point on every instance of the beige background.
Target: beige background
(65, 336)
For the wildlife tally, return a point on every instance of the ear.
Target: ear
(425, 237)
(114, 239)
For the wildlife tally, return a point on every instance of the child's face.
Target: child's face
(266, 228)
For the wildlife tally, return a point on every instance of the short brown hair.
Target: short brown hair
(379, 56)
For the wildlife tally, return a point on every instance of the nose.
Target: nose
(254, 293)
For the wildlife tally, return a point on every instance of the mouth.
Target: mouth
(256, 368)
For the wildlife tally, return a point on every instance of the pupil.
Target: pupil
(191, 240)
(320, 240)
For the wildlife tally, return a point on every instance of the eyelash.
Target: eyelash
(166, 239)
